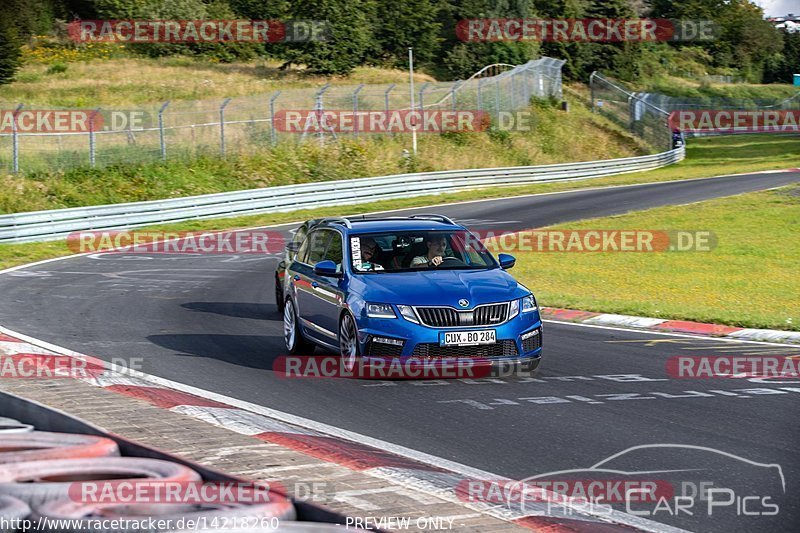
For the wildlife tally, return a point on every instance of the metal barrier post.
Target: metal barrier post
(480, 102)
(91, 138)
(222, 126)
(355, 109)
(591, 88)
(161, 137)
(273, 135)
(15, 139)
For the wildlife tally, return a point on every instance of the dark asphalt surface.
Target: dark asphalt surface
(210, 321)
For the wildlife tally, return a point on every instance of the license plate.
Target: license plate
(468, 338)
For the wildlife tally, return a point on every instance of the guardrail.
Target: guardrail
(58, 223)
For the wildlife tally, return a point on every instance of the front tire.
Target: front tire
(348, 342)
(292, 334)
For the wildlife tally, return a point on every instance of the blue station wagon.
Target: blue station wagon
(419, 287)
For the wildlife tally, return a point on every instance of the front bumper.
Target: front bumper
(421, 342)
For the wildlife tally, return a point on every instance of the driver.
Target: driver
(368, 249)
(437, 244)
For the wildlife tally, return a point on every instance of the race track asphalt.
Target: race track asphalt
(210, 321)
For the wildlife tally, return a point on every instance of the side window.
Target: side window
(317, 243)
(334, 251)
(301, 253)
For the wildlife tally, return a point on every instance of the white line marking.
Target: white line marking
(666, 333)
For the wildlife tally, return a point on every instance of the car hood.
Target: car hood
(439, 287)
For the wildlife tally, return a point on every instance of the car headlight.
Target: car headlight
(528, 303)
(513, 309)
(408, 313)
(380, 311)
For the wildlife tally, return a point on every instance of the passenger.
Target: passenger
(437, 244)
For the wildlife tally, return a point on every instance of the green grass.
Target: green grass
(749, 279)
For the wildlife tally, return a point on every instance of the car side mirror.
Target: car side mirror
(293, 247)
(507, 261)
(327, 268)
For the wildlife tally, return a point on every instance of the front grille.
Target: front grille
(532, 343)
(503, 348)
(448, 317)
(379, 349)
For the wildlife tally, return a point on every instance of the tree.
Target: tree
(349, 40)
(462, 59)
(9, 50)
(399, 25)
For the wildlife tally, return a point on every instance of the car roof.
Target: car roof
(364, 225)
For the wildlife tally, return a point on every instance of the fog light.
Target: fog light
(387, 340)
(530, 334)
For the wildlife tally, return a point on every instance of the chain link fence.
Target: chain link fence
(614, 101)
(645, 114)
(188, 129)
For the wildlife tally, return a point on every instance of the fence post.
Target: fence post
(480, 102)
(355, 109)
(453, 90)
(91, 138)
(222, 126)
(319, 111)
(386, 98)
(497, 97)
(15, 139)
(272, 133)
(161, 137)
(591, 88)
(513, 90)
(422, 95)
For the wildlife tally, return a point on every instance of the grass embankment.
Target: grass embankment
(138, 81)
(556, 136)
(749, 279)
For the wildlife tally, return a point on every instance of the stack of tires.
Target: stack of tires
(40, 470)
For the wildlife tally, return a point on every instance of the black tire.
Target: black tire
(349, 348)
(40, 482)
(43, 445)
(296, 344)
(280, 301)
(12, 509)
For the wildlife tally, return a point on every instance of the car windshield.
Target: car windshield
(412, 251)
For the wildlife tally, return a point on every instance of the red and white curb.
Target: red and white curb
(394, 464)
(671, 326)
